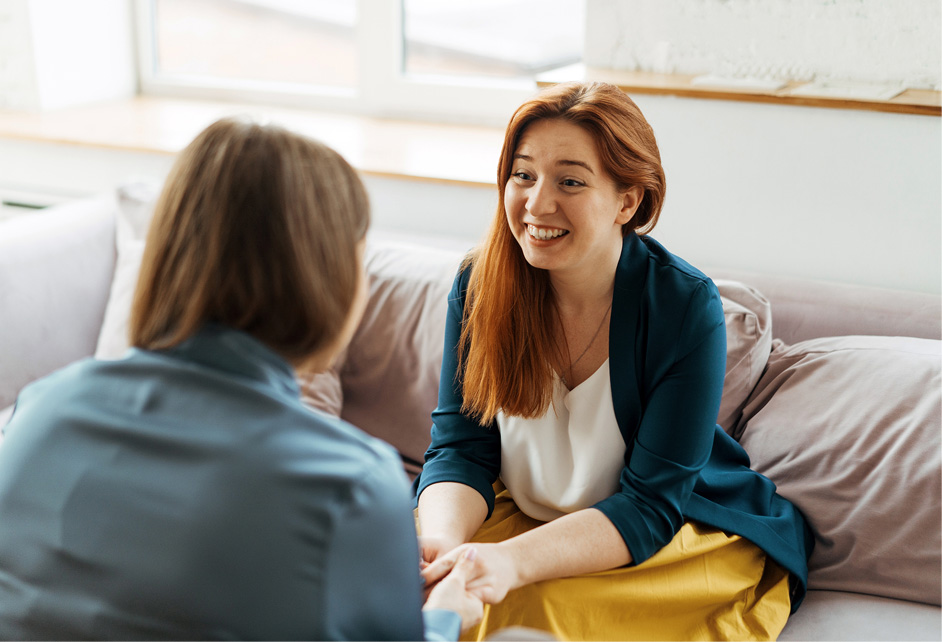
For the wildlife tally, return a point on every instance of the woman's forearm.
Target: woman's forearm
(582, 542)
(451, 511)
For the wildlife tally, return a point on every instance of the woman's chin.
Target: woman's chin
(540, 253)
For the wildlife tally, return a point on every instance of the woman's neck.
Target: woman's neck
(588, 289)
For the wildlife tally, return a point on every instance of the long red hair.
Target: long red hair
(508, 348)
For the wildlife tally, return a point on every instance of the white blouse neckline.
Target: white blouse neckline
(568, 459)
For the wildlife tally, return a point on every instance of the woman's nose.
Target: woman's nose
(540, 199)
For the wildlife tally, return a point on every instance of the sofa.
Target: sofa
(834, 390)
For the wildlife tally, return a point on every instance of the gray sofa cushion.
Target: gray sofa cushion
(836, 615)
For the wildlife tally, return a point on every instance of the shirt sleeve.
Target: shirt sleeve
(441, 625)
(373, 577)
(461, 450)
(675, 435)
(6, 416)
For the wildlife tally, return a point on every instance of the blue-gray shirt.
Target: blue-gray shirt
(189, 493)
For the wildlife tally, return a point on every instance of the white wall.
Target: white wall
(844, 195)
(897, 43)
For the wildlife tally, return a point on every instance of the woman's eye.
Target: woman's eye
(522, 176)
(571, 182)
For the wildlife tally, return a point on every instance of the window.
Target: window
(471, 60)
(491, 38)
(311, 42)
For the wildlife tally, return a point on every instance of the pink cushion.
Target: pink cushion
(388, 379)
(849, 429)
(322, 390)
(748, 343)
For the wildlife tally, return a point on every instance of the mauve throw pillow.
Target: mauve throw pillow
(389, 374)
(322, 390)
(849, 430)
(748, 344)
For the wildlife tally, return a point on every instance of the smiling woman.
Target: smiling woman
(575, 438)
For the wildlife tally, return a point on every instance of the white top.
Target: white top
(568, 459)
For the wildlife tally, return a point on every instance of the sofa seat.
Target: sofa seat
(839, 615)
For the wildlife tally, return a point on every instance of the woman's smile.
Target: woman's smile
(545, 233)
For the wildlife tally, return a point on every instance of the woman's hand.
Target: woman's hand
(452, 594)
(582, 542)
(494, 573)
(433, 547)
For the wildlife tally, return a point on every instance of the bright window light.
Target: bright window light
(310, 42)
(492, 38)
(447, 60)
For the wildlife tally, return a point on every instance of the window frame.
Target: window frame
(382, 90)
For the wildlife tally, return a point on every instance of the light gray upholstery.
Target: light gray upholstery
(836, 615)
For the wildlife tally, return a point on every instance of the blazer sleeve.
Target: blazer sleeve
(674, 438)
(461, 449)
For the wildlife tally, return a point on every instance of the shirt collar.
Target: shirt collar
(223, 348)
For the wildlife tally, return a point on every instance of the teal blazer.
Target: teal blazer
(667, 360)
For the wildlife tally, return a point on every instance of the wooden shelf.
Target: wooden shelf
(910, 101)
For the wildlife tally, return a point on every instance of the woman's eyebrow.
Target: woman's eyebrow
(576, 162)
(561, 162)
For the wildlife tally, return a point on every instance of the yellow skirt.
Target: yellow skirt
(704, 585)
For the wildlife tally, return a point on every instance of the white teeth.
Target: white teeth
(543, 233)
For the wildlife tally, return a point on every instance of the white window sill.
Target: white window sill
(459, 154)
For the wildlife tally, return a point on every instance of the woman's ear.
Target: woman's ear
(631, 200)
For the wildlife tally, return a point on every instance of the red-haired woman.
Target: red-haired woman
(575, 436)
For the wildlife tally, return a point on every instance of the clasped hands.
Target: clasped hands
(490, 574)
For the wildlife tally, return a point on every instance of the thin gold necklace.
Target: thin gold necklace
(572, 364)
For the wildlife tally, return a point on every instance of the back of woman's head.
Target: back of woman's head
(626, 143)
(256, 229)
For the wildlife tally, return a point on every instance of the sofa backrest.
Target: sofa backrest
(807, 309)
(387, 381)
(55, 274)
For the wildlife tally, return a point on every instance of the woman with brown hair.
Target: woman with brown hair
(575, 437)
(185, 491)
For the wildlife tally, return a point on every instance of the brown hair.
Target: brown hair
(507, 349)
(256, 229)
